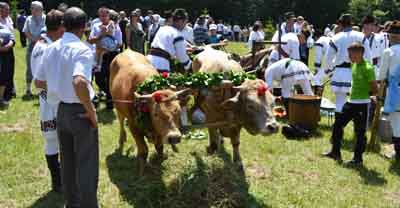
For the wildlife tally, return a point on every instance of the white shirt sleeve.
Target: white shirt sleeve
(181, 54)
(385, 65)
(40, 72)
(83, 64)
(330, 57)
(367, 51)
(269, 77)
(118, 35)
(95, 31)
(273, 57)
(294, 49)
(318, 54)
(37, 61)
(26, 25)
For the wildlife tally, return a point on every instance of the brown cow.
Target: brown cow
(248, 105)
(127, 71)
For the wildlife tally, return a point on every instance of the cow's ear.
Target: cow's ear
(231, 103)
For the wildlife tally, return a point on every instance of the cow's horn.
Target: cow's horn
(184, 92)
(238, 88)
(139, 96)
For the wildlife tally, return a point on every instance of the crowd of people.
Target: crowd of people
(80, 50)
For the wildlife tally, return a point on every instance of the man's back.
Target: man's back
(70, 57)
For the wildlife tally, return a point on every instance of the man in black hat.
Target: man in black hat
(376, 42)
(169, 43)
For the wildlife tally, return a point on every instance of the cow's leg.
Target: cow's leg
(214, 139)
(142, 149)
(237, 159)
(160, 149)
(122, 132)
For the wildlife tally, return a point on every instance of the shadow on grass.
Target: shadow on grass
(105, 116)
(200, 185)
(370, 177)
(27, 98)
(395, 168)
(51, 199)
(146, 191)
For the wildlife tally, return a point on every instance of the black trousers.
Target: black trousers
(358, 113)
(7, 65)
(79, 151)
(22, 38)
(102, 78)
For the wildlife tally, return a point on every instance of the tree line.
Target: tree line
(320, 13)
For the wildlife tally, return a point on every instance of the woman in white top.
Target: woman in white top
(257, 34)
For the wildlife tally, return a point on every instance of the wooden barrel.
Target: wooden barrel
(305, 111)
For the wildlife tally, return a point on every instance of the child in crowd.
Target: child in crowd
(356, 109)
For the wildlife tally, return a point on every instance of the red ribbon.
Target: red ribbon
(157, 97)
(261, 90)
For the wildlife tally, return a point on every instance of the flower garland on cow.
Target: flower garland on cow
(199, 81)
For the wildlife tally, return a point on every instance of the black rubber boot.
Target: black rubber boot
(55, 172)
(396, 144)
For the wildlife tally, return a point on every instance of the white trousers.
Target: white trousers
(395, 123)
(340, 101)
(287, 86)
(48, 115)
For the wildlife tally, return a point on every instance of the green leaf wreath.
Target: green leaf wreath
(199, 80)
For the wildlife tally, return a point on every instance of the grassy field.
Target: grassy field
(278, 172)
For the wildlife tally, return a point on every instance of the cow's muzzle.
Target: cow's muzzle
(270, 128)
(174, 137)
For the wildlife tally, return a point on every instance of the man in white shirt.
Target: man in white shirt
(338, 61)
(187, 33)
(321, 47)
(298, 25)
(288, 73)
(69, 79)
(376, 42)
(286, 27)
(48, 109)
(292, 47)
(390, 65)
(33, 28)
(237, 32)
(170, 44)
(220, 27)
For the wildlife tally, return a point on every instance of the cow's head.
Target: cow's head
(165, 111)
(253, 103)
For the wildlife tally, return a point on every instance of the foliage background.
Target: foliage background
(246, 11)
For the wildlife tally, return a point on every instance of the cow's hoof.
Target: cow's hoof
(161, 157)
(119, 150)
(239, 165)
(211, 150)
(142, 165)
(174, 148)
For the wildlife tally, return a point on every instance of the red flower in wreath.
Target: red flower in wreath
(261, 90)
(165, 75)
(157, 97)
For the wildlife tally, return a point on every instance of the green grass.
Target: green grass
(278, 172)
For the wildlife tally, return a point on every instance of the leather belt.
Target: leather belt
(160, 53)
(375, 61)
(344, 65)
